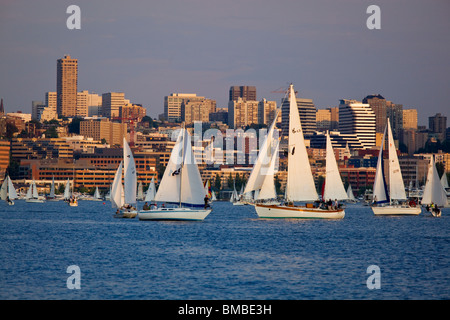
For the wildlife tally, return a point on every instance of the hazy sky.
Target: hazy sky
(149, 49)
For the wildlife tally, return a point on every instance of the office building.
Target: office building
(242, 113)
(438, 124)
(410, 119)
(197, 110)
(359, 119)
(103, 128)
(267, 111)
(378, 104)
(66, 86)
(173, 102)
(395, 114)
(245, 92)
(111, 104)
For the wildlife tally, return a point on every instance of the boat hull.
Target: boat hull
(126, 214)
(174, 214)
(396, 210)
(35, 200)
(294, 212)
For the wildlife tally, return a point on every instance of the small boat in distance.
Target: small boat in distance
(8, 192)
(434, 195)
(32, 194)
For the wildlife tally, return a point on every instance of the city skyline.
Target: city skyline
(149, 50)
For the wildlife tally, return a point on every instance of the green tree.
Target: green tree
(217, 183)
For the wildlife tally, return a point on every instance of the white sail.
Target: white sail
(117, 200)
(130, 177)
(4, 189)
(11, 190)
(140, 192)
(380, 193)
(181, 182)
(35, 192)
(350, 194)
(151, 191)
(191, 180)
(444, 180)
(268, 187)
(52, 189)
(67, 190)
(213, 197)
(262, 164)
(169, 188)
(29, 194)
(300, 184)
(334, 188)
(396, 185)
(96, 193)
(434, 192)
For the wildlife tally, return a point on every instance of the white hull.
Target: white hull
(238, 203)
(127, 214)
(396, 210)
(174, 214)
(35, 200)
(277, 211)
(73, 204)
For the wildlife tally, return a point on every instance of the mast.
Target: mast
(183, 151)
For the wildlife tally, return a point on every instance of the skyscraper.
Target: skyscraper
(66, 86)
(378, 104)
(409, 118)
(438, 125)
(111, 104)
(245, 92)
(357, 118)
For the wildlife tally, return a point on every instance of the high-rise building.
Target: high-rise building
(410, 119)
(267, 111)
(102, 128)
(245, 92)
(111, 104)
(66, 86)
(242, 113)
(86, 100)
(395, 114)
(438, 124)
(307, 112)
(173, 102)
(378, 104)
(197, 110)
(323, 119)
(358, 118)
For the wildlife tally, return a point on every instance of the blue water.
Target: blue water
(230, 255)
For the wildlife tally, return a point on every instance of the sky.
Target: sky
(150, 49)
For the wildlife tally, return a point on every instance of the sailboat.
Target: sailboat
(181, 184)
(388, 202)
(126, 206)
(300, 186)
(96, 196)
(8, 192)
(32, 194)
(52, 196)
(237, 201)
(434, 193)
(350, 195)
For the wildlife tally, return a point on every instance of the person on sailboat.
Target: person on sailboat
(206, 201)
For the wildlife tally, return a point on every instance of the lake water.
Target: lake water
(230, 255)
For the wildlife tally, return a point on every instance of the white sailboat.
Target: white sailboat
(434, 193)
(388, 202)
(8, 192)
(127, 206)
(181, 184)
(52, 196)
(334, 188)
(300, 186)
(350, 195)
(237, 201)
(32, 194)
(67, 193)
(96, 196)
